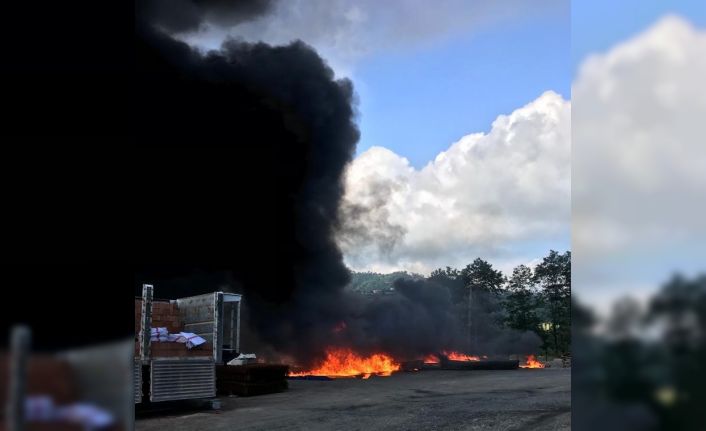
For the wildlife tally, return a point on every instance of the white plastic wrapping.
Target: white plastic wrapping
(190, 339)
(159, 334)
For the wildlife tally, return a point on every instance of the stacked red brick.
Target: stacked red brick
(166, 315)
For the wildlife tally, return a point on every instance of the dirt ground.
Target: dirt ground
(538, 399)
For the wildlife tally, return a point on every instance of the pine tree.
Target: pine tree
(554, 277)
(521, 302)
(481, 276)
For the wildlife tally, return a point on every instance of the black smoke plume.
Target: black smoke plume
(241, 154)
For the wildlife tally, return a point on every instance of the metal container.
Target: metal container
(214, 317)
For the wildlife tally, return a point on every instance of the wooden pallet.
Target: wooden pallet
(252, 373)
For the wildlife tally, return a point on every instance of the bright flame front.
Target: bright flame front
(456, 356)
(453, 356)
(532, 362)
(342, 362)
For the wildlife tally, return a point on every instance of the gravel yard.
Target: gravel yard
(538, 399)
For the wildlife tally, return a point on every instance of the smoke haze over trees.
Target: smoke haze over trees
(509, 315)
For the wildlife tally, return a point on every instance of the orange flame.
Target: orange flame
(532, 362)
(456, 356)
(342, 362)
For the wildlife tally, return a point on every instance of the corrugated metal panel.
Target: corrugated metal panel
(202, 328)
(208, 316)
(182, 379)
(196, 309)
(137, 379)
(218, 328)
(146, 321)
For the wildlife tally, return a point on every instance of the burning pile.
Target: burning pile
(532, 362)
(452, 356)
(341, 362)
(456, 356)
(345, 362)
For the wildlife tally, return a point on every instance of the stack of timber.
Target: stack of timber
(251, 379)
(480, 365)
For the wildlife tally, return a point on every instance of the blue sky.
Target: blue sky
(418, 102)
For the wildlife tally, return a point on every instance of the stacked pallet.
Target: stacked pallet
(251, 379)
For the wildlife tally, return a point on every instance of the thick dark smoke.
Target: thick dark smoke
(489, 335)
(417, 320)
(241, 157)
(189, 15)
(422, 318)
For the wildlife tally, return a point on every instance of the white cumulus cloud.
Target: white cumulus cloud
(488, 195)
(639, 159)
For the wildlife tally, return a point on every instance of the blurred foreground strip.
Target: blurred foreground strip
(638, 187)
(80, 389)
